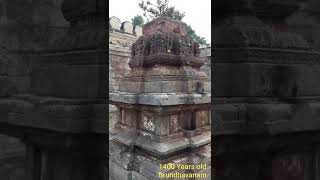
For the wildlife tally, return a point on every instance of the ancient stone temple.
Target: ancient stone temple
(163, 106)
(266, 105)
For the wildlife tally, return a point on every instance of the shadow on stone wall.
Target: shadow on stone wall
(12, 158)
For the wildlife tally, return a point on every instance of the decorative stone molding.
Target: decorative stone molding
(168, 49)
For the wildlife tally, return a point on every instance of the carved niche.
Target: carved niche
(202, 117)
(174, 123)
(147, 121)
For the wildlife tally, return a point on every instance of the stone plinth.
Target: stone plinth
(163, 106)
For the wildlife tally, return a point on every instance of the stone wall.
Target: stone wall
(12, 158)
(306, 22)
(25, 27)
(121, 36)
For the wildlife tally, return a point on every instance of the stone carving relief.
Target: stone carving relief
(169, 45)
(160, 43)
(169, 41)
(147, 122)
(202, 117)
(185, 45)
(138, 47)
(174, 123)
(157, 44)
(196, 49)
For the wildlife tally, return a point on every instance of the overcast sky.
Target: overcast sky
(198, 13)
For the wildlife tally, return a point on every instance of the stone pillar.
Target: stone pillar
(163, 107)
(264, 112)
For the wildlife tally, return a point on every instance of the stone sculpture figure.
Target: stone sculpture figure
(196, 49)
(176, 46)
(159, 43)
(152, 44)
(133, 50)
(169, 43)
(146, 48)
(184, 45)
(139, 46)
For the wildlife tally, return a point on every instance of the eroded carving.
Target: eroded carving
(202, 117)
(176, 49)
(196, 49)
(147, 122)
(174, 123)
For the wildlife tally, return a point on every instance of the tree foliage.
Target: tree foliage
(195, 37)
(137, 20)
(162, 9)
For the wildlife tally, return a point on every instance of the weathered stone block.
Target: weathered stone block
(18, 66)
(55, 80)
(19, 85)
(266, 80)
(127, 27)
(115, 23)
(137, 30)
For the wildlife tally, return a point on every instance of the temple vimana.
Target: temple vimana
(160, 96)
(250, 111)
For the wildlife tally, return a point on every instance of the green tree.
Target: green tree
(137, 20)
(195, 37)
(162, 9)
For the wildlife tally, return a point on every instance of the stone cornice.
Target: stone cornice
(265, 55)
(55, 114)
(160, 99)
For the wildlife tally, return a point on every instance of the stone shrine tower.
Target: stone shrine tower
(163, 104)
